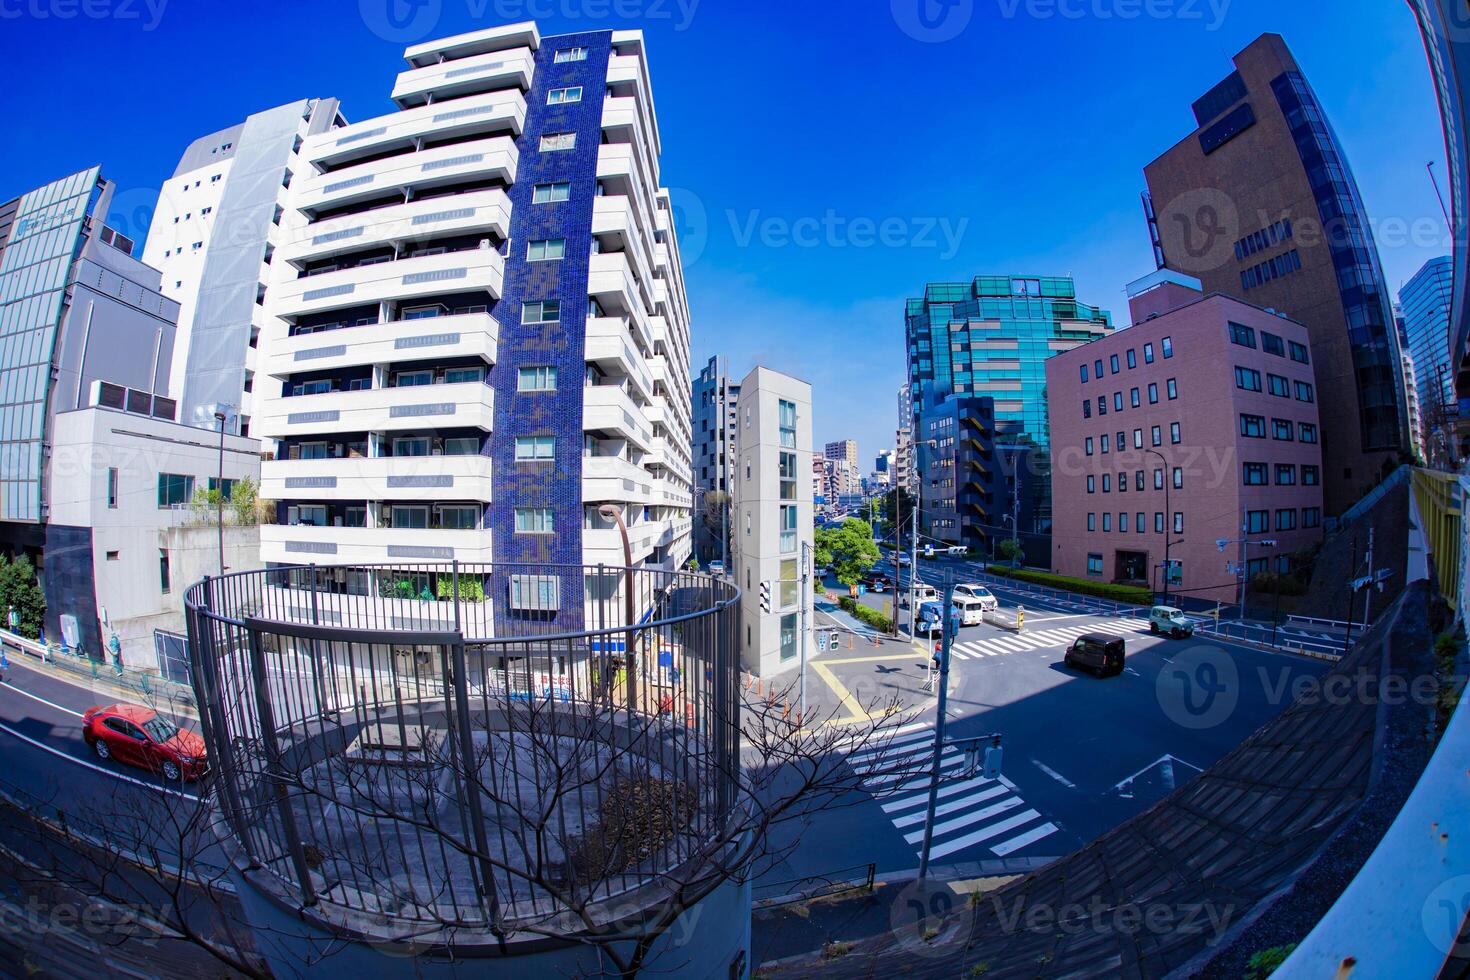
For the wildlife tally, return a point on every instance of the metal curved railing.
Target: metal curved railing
(468, 745)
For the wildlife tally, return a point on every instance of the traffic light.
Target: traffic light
(765, 595)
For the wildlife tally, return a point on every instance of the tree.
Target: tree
(19, 589)
(848, 550)
(244, 501)
(1007, 549)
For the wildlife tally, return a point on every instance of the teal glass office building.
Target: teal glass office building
(990, 337)
(1427, 301)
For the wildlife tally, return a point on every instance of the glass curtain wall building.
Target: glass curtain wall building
(1427, 301)
(991, 337)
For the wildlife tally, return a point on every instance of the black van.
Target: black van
(1101, 653)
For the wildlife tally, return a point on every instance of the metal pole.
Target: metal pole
(948, 638)
(1168, 519)
(220, 488)
(806, 593)
(914, 550)
(1347, 643)
(1368, 592)
(1241, 570)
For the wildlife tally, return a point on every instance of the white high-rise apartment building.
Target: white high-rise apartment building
(476, 332)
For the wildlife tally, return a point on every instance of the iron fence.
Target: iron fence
(469, 745)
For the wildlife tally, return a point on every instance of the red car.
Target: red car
(141, 737)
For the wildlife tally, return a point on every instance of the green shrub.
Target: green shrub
(1265, 962)
(471, 589)
(1135, 594)
(863, 614)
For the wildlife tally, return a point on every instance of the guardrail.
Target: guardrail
(140, 685)
(1296, 620)
(792, 890)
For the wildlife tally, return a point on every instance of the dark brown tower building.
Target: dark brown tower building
(1258, 202)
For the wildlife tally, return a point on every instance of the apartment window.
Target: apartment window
(1178, 522)
(1167, 345)
(1256, 474)
(534, 593)
(1153, 393)
(459, 376)
(1298, 352)
(1083, 369)
(1087, 445)
(114, 555)
(1107, 521)
(1247, 379)
(788, 528)
(174, 489)
(1087, 408)
(412, 516)
(410, 446)
(1123, 522)
(1138, 523)
(1311, 517)
(1158, 479)
(1253, 426)
(1242, 335)
(786, 419)
(1286, 519)
(1107, 443)
(1148, 353)
(541, 311)
(790, 584)
(564, 96)
(1308, 432)
(535, 447)
(1304, 392)
(1158, 522)
(1156, 435)
(1122, 441)
(788, 476)
(546, 249)
(1097, 369)
(164, 584)
(1091, 483)
(1285, 474)
(551, 193)
(564, 55)
(1278, 386)
(552, 142)
(533, 520)
(1311, 476)
(1113, 363)
(1137, 438)
(1257, 521)
(408, 379)
(1117, 401)
(1138, 485)
(1092, 522)
(1133, 397)
(1094, 564)
(1174, 436)
(1171, 389)
(536, 379)
(1132, 358)
(1102, 404)
(1272, 344)
(1178, 478)
(1107, 482)
(462, 446)
(112, 488)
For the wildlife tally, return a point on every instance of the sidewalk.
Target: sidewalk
(135, 686)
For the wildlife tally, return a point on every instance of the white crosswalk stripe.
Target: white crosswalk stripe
(969, 812)
(1042, 639)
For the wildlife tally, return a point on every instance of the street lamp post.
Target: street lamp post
(615, 514)
(1168, 518)
(806, 594)
(221, 414)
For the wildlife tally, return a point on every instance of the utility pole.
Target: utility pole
(1368, 592)
(806, 595)
(947, 638)
(1168, 518)
(1347, 643)
(914, 554)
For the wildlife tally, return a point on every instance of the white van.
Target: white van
(970, 610)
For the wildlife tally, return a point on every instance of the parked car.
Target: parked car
(922, 594)
(1170, 621)
(1101, 653)
(903, 559)
(930, 621)
(717, 569)
(877, 583)
(988, 601)
(141, 737)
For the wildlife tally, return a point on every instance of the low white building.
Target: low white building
(771, 543)
(127, 542)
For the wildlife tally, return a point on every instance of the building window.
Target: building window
(788, 476)
(1158, 522)
(563, 96)
(228, 491)
(536, 379)
(112, 488)
(1138, 485)
(1091, 483)
(553, 142)
(541, 311)
(564, 55)
(1133, 397)
(1167, 344)
(1311, 517)
(1137, 438)
(546, 249)
(790, 584)
(1247, 379)
(1158, 479)
(535, 593)
(788, 636)
(535, 447)
(1092, 522)
(1117, 401)
(1107, 520)
(163, 577)
(1304, 392)
(1272, 344)
(1094, 564)
(1122, 441)
(174, 489)
(458, 517)
(1102, 404)
(551, 193)
(1178, 522)
(786, 419)
(1311, 475)
(1107, 444)
(1174, 436)
(1253, 426)
(1256, 474)
(788, 529)
(1097, 369)
(1083, 369)
(1107, 482)
(1123, 522)
(1087, 445)
(1178, 478)
(1286, 474)
(1242, 335)
(1308, 432)
(461, 446)
(533, 520)
(1139, 525)
(1286, 519)
(1087, 408)
(1278, 386)
(1156, 435)
(1298, 352)
(1132, 358)
(1282, 429)
(1148, 353)
(1113, 363)
(1257, 521)
(1171, 389)
(1153, 393)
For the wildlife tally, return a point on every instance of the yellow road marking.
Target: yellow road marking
(843, 694)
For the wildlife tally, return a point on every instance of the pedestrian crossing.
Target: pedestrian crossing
(969, 812)
(1040, 639)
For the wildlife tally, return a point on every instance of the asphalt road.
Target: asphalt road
(1080, 754)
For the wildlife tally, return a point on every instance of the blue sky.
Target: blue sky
(828, 159)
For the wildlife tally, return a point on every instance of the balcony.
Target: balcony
(605, 545)
(380, 478)
(465, 404)
(614, 478)
(479, 73)
(494, 157)
(464, 335)
(405, 279)
(301, 544)
(614, 215)
(493, 112)
(608, 408)
(485, 211)
(610, 280)
(608, 344)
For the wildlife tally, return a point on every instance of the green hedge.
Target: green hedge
(1135, 594)
(862, 613)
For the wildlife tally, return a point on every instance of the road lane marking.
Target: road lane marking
(95, 768)
(1053, 774)
(36, 697)
(1021, 840)
(984, 834)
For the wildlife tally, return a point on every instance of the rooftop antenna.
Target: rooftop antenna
(1430, 167)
